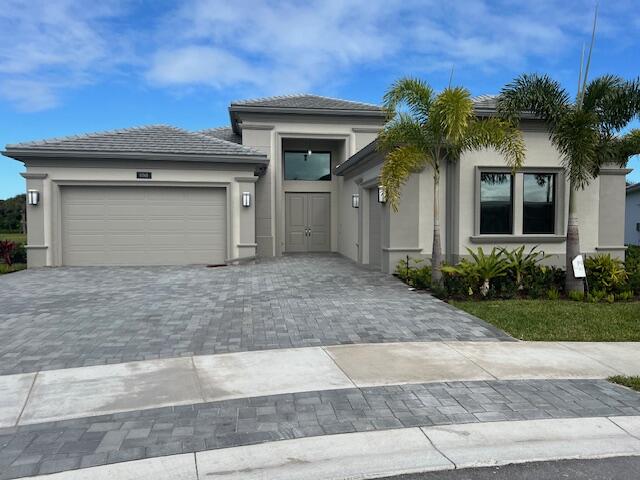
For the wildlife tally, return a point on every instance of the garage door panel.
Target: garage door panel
(87, 240)
(143, 225)
(125, 210)
(86, 211)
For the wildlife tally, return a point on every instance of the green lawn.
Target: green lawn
(15, 237)
(16, 267)
(631, 382)
(560, 320)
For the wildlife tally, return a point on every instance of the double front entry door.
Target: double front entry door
(307, 222)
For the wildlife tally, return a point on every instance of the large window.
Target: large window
(313, 166)
(539, 209)
(496, 203)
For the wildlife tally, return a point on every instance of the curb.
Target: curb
(369, 455)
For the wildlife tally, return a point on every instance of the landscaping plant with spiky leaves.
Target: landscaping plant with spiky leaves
(425, 129)
(586, 132)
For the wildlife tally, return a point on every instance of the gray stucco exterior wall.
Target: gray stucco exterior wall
(632, 217)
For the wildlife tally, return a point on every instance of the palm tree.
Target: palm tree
(427, 130)
(586, 132)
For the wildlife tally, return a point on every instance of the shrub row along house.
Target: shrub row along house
(294, 174)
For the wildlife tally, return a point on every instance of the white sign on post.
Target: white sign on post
(578, 267)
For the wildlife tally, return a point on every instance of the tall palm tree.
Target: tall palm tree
(586, 132)
(425, 129)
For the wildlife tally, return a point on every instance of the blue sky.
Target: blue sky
(70, 67)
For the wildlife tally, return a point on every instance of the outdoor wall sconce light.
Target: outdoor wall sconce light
(355, 200)
(246, 199)
(33, 197)
(382, 197)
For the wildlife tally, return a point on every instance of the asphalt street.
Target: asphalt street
(620, 468)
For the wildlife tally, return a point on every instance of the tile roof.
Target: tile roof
(223, 133)
(485, 102)
(307, 101)
(151, 139)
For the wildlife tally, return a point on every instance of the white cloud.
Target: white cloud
(290, 45)
(49, 46)
(272, 45)
(29, 95)
(199, 65)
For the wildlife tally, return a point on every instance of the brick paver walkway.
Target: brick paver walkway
(50, 447)
(69, 317)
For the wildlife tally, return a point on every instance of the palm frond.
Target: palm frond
(537, 94)
(402, 130)
(614, 100)
(412, 92)
(496, 133)
(399, 164)
(452, 111)
(576, 137)
(625, 147)
(599, 88)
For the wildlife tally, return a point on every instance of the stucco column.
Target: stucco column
(37, 241)
(246, 241)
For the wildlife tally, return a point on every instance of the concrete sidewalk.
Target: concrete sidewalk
(391, 452)
(89, 391)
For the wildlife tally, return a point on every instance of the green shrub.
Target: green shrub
(482, 270)
(540, 278)
(414, 275)
(519, 263)
(553, 294)
(19, 254)
(454, 285)
(632, 258)
(576, 296)
(632, 266)
(596, 296)
(625, 296)
(7, 251)
(605, 273)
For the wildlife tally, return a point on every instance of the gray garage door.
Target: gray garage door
(143, 225)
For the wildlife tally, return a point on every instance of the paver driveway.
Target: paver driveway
(68, 317)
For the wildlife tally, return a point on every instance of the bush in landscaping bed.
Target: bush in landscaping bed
(12, 252)
(502, 274)
(605, 273)
(505, 274)
(632, 266)
(413, 273)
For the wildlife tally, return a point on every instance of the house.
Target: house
(291, 174)
(632, 215)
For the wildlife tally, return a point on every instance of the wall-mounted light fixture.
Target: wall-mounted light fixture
(246, 199)
(355, 200)
(33, 197)
(382, 197)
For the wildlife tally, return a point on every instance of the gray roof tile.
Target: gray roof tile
(308, 102)
(154, 139)
(223, 133)
(485, 102)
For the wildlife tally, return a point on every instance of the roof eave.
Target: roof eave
(342, 112)
(492, 112)
(30, 154)
(355, 160)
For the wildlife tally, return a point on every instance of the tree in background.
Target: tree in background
(12, 214)
(425, 129)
